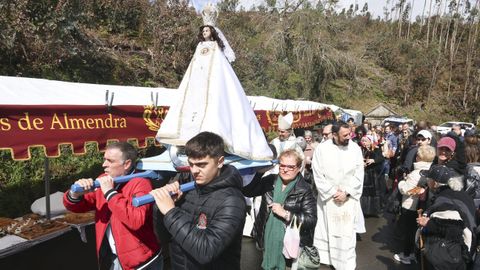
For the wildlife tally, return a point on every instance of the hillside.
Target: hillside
(426, 70)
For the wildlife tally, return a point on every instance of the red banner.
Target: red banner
(302, 119)
(24, 126)
(48, 126)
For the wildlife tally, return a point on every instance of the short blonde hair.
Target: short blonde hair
(292, 153)
(426, 153)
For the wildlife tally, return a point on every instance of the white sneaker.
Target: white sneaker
(400, 257)
(397, 256)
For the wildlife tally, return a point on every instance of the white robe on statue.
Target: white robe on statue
(338, 167)
(212, 99)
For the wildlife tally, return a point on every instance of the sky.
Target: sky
(374, 6)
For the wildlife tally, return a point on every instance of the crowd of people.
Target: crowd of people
(423, 167)
(325, 183)
(353, 171)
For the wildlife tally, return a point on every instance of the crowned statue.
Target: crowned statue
(212, 99)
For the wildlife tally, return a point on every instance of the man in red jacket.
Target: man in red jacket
(124, 234)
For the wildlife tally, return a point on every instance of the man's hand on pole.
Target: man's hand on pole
(86, 184)
(165, 197)
(106, 183)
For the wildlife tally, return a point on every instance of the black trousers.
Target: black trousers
(407, 224)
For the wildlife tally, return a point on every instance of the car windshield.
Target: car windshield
(446, 125)
(464, 126)
(397, 121)
(393, 123)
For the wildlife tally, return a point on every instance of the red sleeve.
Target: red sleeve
(121, 206)
(83, 204)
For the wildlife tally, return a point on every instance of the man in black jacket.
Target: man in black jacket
(206, 225)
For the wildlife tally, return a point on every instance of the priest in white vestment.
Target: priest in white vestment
(338, 172)
(286, 138)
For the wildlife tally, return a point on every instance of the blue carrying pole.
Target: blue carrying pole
(121, 179)
(139, 201)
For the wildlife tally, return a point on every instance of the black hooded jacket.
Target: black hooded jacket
(207, 225)
(445, 227)
(446, 198)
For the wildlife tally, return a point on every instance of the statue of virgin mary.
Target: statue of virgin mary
(212, 99)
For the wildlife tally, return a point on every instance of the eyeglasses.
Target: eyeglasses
(325, 134)
(288, 167)
(422, 139)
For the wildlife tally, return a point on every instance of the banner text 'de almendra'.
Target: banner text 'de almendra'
(64, 121)
(25, 126)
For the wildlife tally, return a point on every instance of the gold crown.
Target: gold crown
(209, 14)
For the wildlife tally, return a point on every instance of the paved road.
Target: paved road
(374, 250)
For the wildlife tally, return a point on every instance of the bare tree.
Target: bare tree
(477, 88)
(443, 23)
(400, 6)
(438, 4)
(471, 52)
(435, 69)
(386, 10)
(410, 20)
(428, 21)
(423, 14)
(453, 40)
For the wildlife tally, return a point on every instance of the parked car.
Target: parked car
(397, 121)
(447, 127)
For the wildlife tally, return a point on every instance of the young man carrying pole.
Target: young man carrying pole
(206, 224)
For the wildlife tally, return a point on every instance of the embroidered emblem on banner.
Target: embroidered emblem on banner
(202, 221)
(154, 116)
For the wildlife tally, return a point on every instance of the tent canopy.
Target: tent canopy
(38, 112)
(47, 113)
(28, 91)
